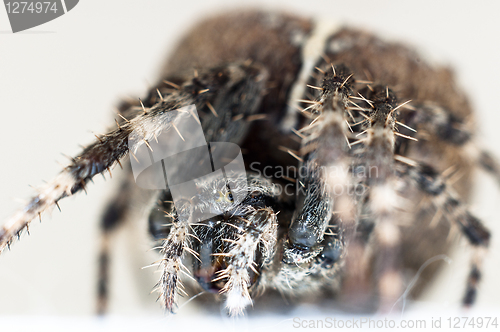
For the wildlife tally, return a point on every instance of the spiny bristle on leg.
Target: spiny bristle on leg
(259, 228)
(381, 200)
(173, 249)
(142, 126)
(236, 292)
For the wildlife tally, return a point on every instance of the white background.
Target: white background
(60, 81)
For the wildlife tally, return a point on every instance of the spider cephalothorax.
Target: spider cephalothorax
(333, 107)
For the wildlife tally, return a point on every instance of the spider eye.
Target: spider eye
(301, 235)
(332, 252)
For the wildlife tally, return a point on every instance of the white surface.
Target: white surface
(60, 81)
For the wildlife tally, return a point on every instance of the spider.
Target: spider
(370, 138)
